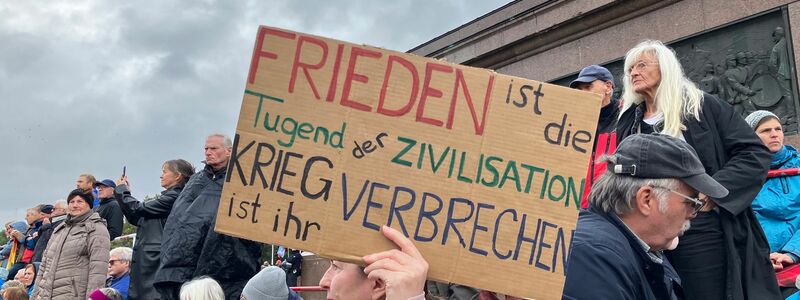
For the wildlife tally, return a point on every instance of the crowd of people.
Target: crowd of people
(678, 206)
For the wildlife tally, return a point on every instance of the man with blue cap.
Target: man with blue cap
(599, 80)
(109, 208)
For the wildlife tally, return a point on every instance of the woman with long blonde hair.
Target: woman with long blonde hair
(725, 254)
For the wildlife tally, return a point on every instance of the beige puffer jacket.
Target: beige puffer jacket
(75, 262)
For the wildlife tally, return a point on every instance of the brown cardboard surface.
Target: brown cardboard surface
(336, 139)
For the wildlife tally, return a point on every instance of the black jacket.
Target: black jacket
(733, 154)
(45, 232)
(607, 261)
(192, 247)
(110, 211)
(149, 218)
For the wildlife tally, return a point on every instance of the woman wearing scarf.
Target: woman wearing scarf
(76, 259)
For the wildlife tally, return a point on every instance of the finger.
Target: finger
(393, 254)
(381, 275)
(385, 264)
(401, 241)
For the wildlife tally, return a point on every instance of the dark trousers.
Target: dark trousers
(700, 259)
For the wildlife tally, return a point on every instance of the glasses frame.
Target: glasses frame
(697, 203)
(641, 65)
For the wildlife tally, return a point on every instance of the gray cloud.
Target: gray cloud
(92, 86)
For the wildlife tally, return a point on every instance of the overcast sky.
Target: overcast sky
(92, 86)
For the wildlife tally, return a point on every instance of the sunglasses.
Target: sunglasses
(695, 202)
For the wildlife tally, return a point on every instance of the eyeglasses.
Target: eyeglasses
(111, 262)
(641, 65)
(696, 203)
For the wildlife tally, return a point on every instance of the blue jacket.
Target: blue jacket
(777, 206)
(120, 284)
(606, 261)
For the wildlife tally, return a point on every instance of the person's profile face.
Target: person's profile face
(346, 281)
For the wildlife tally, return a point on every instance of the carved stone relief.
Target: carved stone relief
(747, 64)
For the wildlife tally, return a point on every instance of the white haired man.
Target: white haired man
(119, 270)
(193, 248)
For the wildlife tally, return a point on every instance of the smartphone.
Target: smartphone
(123, 170)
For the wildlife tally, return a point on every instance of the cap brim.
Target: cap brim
(707, 185)
(584, 79)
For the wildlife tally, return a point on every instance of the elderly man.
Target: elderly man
(192, 247)
(58, 214)
(109, 209)
(119, 270)
(638, 208)
(599, 80)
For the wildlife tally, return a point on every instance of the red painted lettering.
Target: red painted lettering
(305, 66)
(259, 52)
(428, 91)
(335, 75)
(351, 76)
(414, 87)
(460, 82)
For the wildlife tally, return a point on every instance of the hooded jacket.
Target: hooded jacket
(777, 206)
(76, 262)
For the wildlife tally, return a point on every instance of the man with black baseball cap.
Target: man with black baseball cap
(598, 80)
(108, 208)
(637, 209)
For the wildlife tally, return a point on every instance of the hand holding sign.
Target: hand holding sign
(403, 271)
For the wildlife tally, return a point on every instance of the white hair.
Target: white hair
(226, 141)
(676, 97)
(61, 203)
(203, 288)
(123, 253)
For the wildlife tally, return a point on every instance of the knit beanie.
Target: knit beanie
(755, 117)
(269, 284)
(85, 195)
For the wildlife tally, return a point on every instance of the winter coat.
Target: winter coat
(777, 206)
(110, 211)
(149, 218)
(194, 249)
(44, 237)
(734, 156)
(607, 262)
(76, 261)
(605, 143)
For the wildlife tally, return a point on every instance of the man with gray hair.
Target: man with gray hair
(636, 210)
(58, 213)
(192, 248)
(119, 270)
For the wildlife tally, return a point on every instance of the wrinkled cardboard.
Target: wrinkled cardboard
(301, 81)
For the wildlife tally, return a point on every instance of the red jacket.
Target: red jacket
(605, 143)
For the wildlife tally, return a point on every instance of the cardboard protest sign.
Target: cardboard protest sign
(483, 171)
